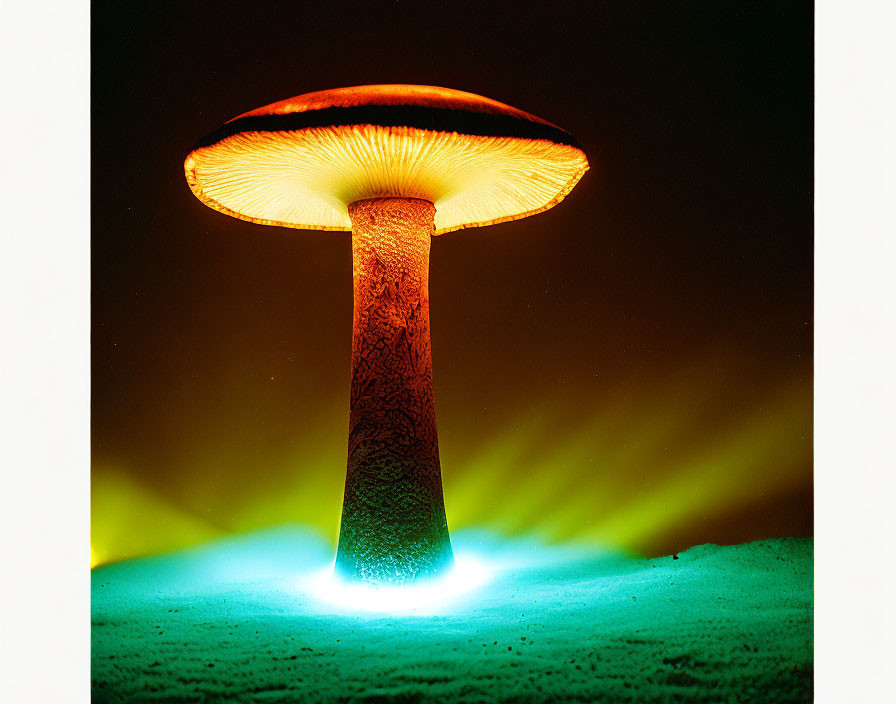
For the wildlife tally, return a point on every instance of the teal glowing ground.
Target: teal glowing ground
(253, 620)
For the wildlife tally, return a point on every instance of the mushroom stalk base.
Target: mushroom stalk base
(393, 526)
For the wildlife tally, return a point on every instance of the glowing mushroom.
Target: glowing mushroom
(395, 165)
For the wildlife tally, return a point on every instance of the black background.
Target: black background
(676, 276)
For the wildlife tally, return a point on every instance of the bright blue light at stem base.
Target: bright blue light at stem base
(468, 574)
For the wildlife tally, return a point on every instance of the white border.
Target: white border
(44, 352)
(855, 351)
(44, 255)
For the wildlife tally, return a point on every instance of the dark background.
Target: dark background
(633, 367)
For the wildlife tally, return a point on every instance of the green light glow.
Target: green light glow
(240, 616)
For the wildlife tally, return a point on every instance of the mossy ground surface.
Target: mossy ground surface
(232, 623)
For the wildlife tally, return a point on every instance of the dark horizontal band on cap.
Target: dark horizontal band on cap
(425, 118)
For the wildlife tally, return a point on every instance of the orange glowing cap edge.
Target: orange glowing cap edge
(299, 162)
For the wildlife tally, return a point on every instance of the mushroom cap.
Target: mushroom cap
(300, 162)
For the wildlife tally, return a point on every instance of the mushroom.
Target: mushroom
(395, 165)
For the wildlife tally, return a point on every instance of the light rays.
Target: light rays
(638, 469)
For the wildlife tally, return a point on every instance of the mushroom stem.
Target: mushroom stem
(393, 526)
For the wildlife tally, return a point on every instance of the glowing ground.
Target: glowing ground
(252, 620)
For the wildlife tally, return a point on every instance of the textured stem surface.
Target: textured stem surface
(393, 526)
